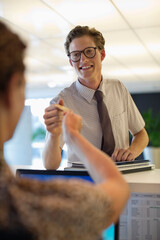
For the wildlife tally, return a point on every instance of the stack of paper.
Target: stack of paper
(124, 167)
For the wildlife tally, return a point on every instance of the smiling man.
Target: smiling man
(86, 61)
(85, 49)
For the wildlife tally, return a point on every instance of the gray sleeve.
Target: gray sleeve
(54, 100)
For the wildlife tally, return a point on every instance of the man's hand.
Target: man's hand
(53, 119)
(139, 142)
(120, 155)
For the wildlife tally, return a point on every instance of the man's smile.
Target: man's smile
(85, 67)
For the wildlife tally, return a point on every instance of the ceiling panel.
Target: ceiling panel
(139, 13)
(131, 29)
(124, 45)
(35, 17)
(151, 38)
(90, 12)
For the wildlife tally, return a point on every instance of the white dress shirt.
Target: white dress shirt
(122, 110)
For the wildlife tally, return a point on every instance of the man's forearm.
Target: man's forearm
(52, 152)
(139, 142)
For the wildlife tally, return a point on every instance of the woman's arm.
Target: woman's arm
(100, 166)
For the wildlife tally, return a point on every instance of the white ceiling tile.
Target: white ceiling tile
(145, 70)
(151, 38)
(125, 47)
(35, 17)
(112, 68)
(131, 30)
(100, 14)
(140, 13)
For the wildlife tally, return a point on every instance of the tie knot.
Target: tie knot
(98, 95)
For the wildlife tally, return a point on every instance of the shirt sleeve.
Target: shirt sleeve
(61, 209)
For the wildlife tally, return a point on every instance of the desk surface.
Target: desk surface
(144, 182)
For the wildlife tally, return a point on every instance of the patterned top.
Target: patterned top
(52, 210)
(122, 110)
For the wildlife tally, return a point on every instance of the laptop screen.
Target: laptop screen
(111, 233)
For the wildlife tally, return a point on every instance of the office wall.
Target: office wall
(144, 101)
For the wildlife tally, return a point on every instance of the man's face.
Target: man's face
(87, 69)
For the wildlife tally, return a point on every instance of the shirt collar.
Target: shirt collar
(88, 93)
(84, 91)
(101, 86)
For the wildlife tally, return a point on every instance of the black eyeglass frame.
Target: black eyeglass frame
(83, 51)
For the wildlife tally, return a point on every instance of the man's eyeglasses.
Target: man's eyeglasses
(89, 52)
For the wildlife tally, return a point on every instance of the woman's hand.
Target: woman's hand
(71, 123)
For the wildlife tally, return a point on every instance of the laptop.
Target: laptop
(124, 167)
(111, 233)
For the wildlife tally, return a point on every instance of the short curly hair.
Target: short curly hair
(11, 56)
(80, 31)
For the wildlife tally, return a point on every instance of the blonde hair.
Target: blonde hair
(80, 31)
